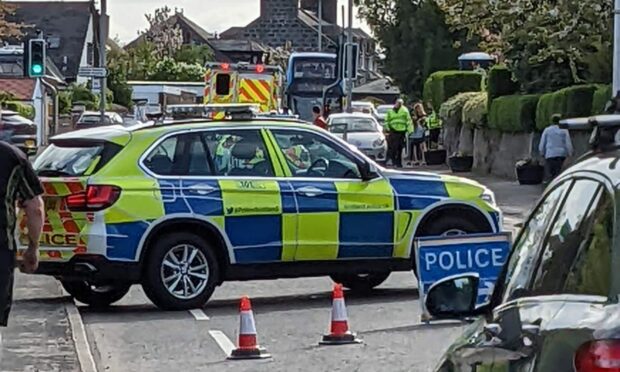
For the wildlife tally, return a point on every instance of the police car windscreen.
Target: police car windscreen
(74, 161)
(353, 125)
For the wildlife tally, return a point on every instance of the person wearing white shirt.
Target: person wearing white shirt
(555, 147)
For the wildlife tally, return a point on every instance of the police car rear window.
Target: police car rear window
(74, 159)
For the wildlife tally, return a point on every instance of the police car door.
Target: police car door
(252, 204)
(340, 216)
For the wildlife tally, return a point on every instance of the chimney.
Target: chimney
(330, 9)
(279, 9)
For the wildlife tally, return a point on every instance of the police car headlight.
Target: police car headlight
(379, 142)
(488, 196)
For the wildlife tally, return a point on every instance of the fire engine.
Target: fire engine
(243, 83)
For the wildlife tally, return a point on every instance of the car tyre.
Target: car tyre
(157, 271)
(361, 282)
(99, 296)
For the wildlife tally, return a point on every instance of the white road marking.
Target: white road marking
(82, 347)
(199, 314)
(223, 341)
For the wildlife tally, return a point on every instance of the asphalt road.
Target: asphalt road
(291, 317)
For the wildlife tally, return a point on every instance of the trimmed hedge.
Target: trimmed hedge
(569, 102)
(475, 110)
(514, 114)
(451, 112)
(444, 85)
(500, 83)
(602, 95)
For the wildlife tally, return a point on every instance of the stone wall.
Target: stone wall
(279, 9)
(277, 32)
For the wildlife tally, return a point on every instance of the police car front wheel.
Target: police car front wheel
(181, 272)
(361, 282)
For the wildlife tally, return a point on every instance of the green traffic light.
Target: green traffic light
(37, 69)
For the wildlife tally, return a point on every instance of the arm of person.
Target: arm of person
(29, 196)
(543, 143)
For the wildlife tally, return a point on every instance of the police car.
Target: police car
(181, 207)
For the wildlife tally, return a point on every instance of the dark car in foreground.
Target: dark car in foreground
(19, 131)
(555, 307)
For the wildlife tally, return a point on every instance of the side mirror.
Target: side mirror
(454, 297)
(366, 171)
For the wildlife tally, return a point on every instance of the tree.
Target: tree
(200, 54)
(9, 30)
(548, 44)
(165, 36)
(415, 39)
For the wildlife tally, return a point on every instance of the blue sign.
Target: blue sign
(444, 257)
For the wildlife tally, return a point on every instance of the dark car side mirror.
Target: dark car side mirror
(454, 297)
(366, 171)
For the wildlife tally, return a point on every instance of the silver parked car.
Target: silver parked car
(362, 131)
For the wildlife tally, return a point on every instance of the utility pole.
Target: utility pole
(616, 47)
(103, 38)
(320, 16)
(350, 56)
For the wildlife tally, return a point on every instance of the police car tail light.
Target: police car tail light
(95, 198)
(598, 356)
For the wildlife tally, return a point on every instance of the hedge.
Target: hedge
(451, 112)
(569, 102)
(500, 83)
(475, 110)
(602, 95)
(22, 109)
(444, 85)
(514, 114)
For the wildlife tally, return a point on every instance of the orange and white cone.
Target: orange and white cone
(339, 328)
(247, 345)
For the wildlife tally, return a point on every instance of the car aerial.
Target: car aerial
(382, 111)
(19, 131)
(362, 131)
(555, 306)
(182, 207)
(90, 119)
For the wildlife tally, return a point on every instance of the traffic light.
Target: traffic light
(36, 58)
(353, 49)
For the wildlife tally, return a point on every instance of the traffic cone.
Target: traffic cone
(339, 328)
(247, 345)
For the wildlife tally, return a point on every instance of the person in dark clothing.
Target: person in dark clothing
(19, 187)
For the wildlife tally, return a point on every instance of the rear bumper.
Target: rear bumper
(92, 268)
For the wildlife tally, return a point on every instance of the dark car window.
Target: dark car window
(238, 153)
(182, 155)
(577, 258)
(525, 252)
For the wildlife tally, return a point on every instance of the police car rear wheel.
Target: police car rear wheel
(361, 282)
(100, 295)
(181, 272)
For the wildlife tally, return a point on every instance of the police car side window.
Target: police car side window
(310, 155)
(238, 153)
(180, 155)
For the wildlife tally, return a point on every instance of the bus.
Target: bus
(306, 76)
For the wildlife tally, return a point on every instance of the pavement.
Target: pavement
(291, 317)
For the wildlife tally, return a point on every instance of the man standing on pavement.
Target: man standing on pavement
(555, 147)
(398, 125)
(318, 118)
(19, 187)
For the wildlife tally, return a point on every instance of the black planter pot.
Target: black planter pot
(461, 163)
(436, 157)
(530, 174)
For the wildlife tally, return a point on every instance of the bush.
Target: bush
(602, 95)
(500, 83)
(451, 112)
(513, 114)
(475, 110)
(22, 109)
(443, 85)
(569, 102)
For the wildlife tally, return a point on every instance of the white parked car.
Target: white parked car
(382, 111)
(362, 131)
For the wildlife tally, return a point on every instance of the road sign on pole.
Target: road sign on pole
(97, 72)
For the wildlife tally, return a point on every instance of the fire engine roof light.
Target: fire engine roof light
(225, 66)
(260, 68)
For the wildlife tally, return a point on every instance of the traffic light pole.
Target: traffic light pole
(349, 51)
(616, 68)
(103, 38)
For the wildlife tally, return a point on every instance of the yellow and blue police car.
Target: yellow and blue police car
(182, 207)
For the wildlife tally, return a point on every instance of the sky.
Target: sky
(127, 16)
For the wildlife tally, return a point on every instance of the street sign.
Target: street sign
(96, 86)
(439, 258)
(99, 72)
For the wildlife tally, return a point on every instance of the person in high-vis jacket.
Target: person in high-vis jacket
(434, 124)
(398, 125)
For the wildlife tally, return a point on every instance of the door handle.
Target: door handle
(201, 189)
(310, 191)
